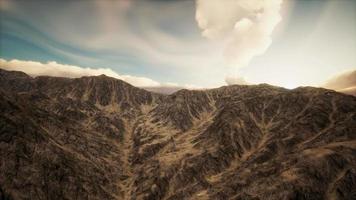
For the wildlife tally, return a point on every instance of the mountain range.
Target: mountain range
(101, 138)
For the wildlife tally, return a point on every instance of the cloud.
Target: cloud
(244, 26)
(236, 80)
(345, 82)
(55, 69)
(125, 34)
(342, 81)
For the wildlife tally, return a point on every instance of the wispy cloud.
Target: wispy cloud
(125, 35)
(129, 37)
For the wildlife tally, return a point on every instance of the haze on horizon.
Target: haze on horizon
(185, 43)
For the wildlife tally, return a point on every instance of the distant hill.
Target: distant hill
(101, 138)
(163, 89)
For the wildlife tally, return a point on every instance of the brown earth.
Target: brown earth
(101, 138)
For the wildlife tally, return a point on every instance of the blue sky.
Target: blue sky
(162, 41)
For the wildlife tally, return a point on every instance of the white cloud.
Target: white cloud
(244, 26)
(60, 70)
(232, 80)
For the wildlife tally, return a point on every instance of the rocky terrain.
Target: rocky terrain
(101, 138)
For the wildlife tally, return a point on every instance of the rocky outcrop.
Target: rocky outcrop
(100, 138)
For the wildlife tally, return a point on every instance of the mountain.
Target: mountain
(101, 138)
(164, 89)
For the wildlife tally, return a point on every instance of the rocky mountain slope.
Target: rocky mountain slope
(101, 138)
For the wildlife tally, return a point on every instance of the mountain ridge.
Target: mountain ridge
(99, 138)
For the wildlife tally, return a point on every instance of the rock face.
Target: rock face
(101, 138)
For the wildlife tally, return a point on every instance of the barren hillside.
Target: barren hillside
(101, 138)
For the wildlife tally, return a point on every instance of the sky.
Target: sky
(188, 43)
